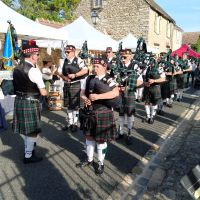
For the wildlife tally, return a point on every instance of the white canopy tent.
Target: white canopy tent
(131, 42)
(80, 31)
(26, 27)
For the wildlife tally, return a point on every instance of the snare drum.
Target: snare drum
(55, 104)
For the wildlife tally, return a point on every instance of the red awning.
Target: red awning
(183, 49)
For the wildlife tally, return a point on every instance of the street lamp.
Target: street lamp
(95, 17)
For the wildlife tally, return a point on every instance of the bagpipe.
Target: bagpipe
(140, 62)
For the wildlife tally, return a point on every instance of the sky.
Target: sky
(186, 13)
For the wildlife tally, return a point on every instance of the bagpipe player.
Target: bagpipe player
(100, 95)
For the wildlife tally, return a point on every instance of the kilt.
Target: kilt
(105, 129)
(173, 86)
(128, 104)
(152, 94)
(165, 90)
(180, 79)
(72, 95)
(27, 117)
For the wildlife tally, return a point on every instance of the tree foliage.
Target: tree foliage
(197, 45)
(57, 10)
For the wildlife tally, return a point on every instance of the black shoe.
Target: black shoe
(147, 119)
(160, 112)
(128, 140)
(120, 136)
(65, 128)
(32, 159)
(169, 105)
(73, 128)
(151, 120)
(178, 100)
(99, 169)
(84, 163)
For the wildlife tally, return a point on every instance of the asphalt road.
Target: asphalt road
(56, 177)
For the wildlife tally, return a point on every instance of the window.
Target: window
(157, 23)
(167, 48)
(168, 29)
(178, 36)
(97, 3)
(157, 46)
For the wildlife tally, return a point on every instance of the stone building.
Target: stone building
(143, 18)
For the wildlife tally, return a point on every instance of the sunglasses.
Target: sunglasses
(108, 52)
(67, 52)
(124, 57)
(37, 54)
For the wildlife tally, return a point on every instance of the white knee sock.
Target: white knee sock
(181, 93)
(178, 94)
(29, 145)
(90, 146)
(75, 117)
(130, 121)
(153, 110)
(121, 124)
(160, 105)
(140, 92)
(70, 117)
(148, 112)
(101, 152)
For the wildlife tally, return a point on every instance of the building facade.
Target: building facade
(142, 18)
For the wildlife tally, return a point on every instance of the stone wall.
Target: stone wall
(117, 18)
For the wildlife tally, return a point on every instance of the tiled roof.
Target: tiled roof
(190, 37)
(157, 8)
(52, 23)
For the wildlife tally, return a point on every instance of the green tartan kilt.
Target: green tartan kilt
(72, 95)
(27, 117)
(105, 126)
(128, 104)
(173, 86)
(180, 79)
(165, 90)
(152, 94)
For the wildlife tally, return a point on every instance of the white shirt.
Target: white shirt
(35, 76)
(45, 72)
(80, 62)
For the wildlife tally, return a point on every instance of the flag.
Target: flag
(8, 52)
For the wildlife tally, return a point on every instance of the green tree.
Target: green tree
(197, 45)
(57, 10)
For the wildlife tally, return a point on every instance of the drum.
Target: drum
(54, 100)
(55, 104)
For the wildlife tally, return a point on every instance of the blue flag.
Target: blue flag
(8, 52)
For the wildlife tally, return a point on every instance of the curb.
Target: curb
(135, 184)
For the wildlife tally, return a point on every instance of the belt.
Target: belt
(100, 107)
(27, 96)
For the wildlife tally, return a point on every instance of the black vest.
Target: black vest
(71, 68)
(94, 85)
(21, 81)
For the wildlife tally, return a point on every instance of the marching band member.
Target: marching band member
(127, 92)
(28, 86)
(97, 92)
(73, 71)
(152, 93)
